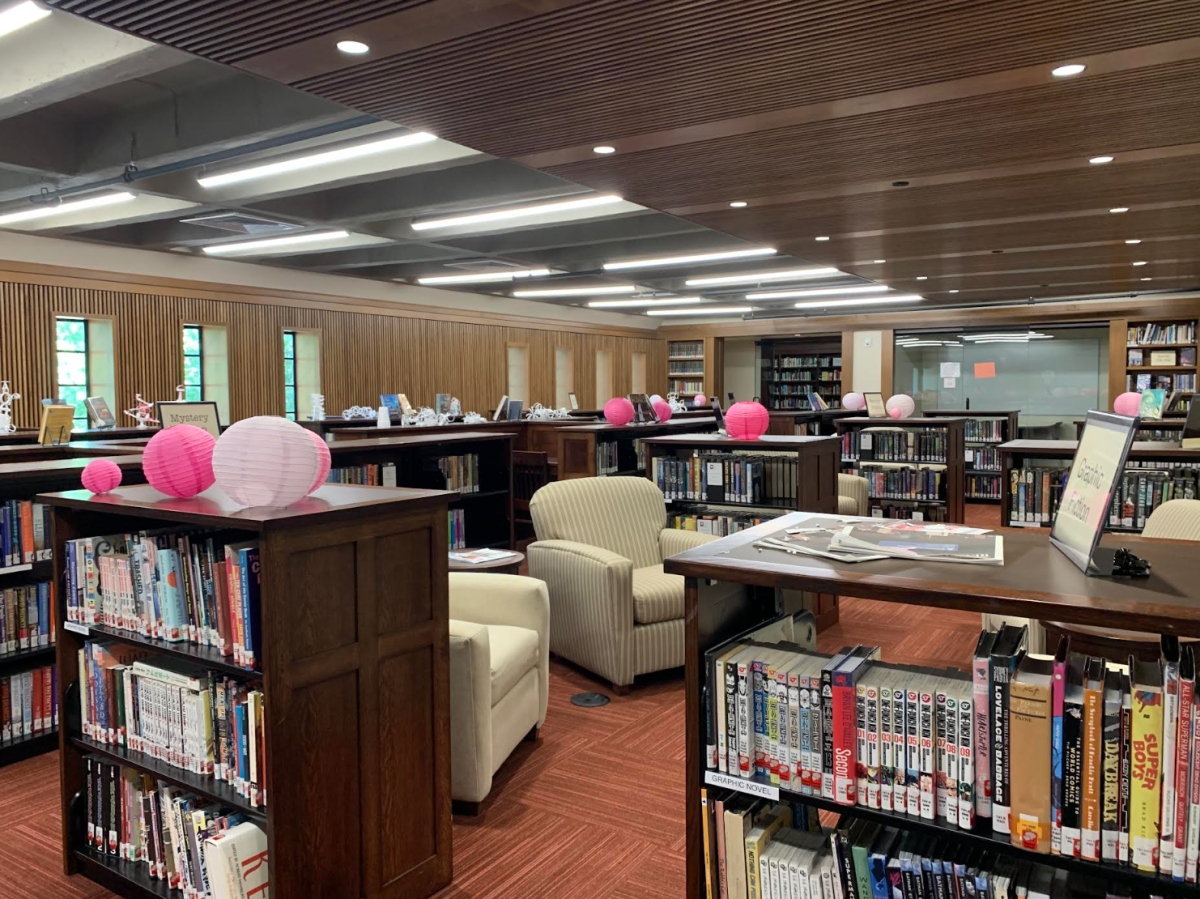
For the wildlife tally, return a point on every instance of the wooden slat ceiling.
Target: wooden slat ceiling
(809, 111)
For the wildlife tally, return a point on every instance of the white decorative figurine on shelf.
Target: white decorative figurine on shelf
(676, 404)
(473, 418)
(425, 417)
(180, 393)
(318, 407)
(455, 407)
(359, 412)
(538, 412)
(142, 411)
(6, 401)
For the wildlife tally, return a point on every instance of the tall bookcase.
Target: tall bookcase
(1161, 353)
(792, 369)
(354, 674)
(890, 474)
(685, 368)
(983, 431)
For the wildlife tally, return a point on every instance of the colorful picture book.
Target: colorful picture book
(28, 704)
(24, 532)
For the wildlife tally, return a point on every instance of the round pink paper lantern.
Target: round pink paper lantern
(656, 398)
(854, 402)
(178, 461)
(747, 421)
(900, 406)
(700, 400)
(618, 411)
(662, 409)
(1128, 404)
(326, 459)
(266, 461)
(101, 476)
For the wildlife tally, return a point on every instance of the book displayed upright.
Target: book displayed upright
(1007, 652)
(1031, 712)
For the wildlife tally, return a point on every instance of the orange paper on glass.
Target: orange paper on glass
(985, 369)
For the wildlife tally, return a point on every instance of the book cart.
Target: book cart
(983, 431)
(731, 587)
(602, 449)
(20, 482)
(858, 456)
(354, 676)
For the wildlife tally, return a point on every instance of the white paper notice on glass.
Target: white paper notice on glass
(716, 471)
(951, 369)
(949, 383)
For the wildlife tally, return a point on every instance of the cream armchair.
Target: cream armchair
(600, 548)
(499, 676)
(853, 495)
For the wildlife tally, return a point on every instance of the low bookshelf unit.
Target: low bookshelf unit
(1161, 353)
(607, 450)
(336, 668)
(983, 431)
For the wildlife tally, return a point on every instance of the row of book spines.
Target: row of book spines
(370, 475)
(169, 587)
(807, 374)
(880, 508)
(26, 617)
(1175, 380)
(802, 389)
(685, 348)
(736, 480)
(608, 457)
(1034, 493)
(24, 532)
(813, 361)
(984, 429)
(719, 524)
(687, 367)
(903, 483)
(177, 835)
(461, 472)
(800, 403)
(1137, 495)
(927, 445)
(28, 703)
(1152, 332)
(456, 528)
(984, 458)
(979, 487)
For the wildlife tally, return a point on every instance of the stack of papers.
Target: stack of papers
(476, 556)
(831, 538)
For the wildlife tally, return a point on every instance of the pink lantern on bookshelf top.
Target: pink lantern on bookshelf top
(700, 400)
(747, 420)
(656, 398)
(1128, 404)
(101, 476)
(178, 460)
(618, 411)
(662, 409)
(266, 461)
(326, 459)
(901, 406)
(854, 402)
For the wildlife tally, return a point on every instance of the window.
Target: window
(639, 373)
(193, 363)
(73, 385)
(206, 366)
(603, 377)
(518, 372)
(289, 374)
(564, 377)
(301, 370)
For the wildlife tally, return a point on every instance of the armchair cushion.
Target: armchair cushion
(514, 654)
(656, 596)
(853, 489)
(673, 541)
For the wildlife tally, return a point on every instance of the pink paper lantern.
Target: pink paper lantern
(663, 410)
(854, 402)
(266, 461)
(326, 459)
(178, 460)
(901, 406)
(1128, 404)
(101, 476)
(700, 400)
(747, 421)
(618, 411)
(655, 398)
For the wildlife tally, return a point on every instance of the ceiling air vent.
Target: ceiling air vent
(483, 265)
(240, 223)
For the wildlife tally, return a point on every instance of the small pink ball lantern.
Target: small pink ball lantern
(267, 461)
(700, 400)
(662, 409)
(326, 459)
(1128, 404)
(901, 406)
(618, 411)
(855, 402)
(747, 421)
(178, 461)
(101, 476)
(655, 399)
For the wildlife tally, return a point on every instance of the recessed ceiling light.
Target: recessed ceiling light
(703, 310)
(647, 301)
(599, 290)
(739, 204)
(693, 257)
(861, 301)
(1140, 262)
(49, 209)
(1100, 160)
(954, 291)
(485, 277)
(353, 48)
(822, 238)
(1068, 70)
(1133, 240)
(604, 150)
(516, 212)
(273, 243)
(818, 292)
(796, 274)
(922, 277)
(17, 17)
(1119, 209)
(1147, 279)
(314, 160)
(878, 261)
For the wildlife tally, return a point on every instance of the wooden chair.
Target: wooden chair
(531, 471)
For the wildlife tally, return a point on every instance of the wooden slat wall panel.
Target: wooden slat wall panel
(362, 355)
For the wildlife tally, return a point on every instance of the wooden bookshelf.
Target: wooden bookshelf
(35, 452)
(1163, 430)
(1057, 455)
(983, 468)
(732, 587)
(807, 424)
(578, 446)
(687, 362)
(488, 513)
(355, 677)
(954, 466)
(791, 369)
(1175, 343)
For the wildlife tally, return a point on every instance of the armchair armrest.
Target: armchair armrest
(673, 541)
(470, 711)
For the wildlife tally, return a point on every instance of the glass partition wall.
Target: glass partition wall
(1053, 375)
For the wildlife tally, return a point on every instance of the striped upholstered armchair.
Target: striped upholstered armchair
(600, 548)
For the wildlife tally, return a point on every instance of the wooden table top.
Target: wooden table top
(1036, 581)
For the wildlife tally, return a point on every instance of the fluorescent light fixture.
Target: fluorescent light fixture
(1100, 160)
(1133, 240)
(48, 209)
(1068, 70)
(922, 277)
(817, 292)
(630, 304)
(821, 239)
(1006, 335)
(883, 299)
(315, 160)
(953, 291)
(1117, 209)
(517, 212)
(1147, 279)
(17, 17)
(796, 274)
(1140, 262)
(354, 48)
(922, 343)
(739, 204)
(604, 150)
(485, 277)
(576, 291)
(273, 243)
(693, 257)
(878, 261)
(703, 310)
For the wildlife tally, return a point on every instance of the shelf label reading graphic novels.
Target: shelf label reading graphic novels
(749, 787)
(77, 628)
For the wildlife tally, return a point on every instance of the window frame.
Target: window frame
(84, 420)
(198, 356)
(290, 388)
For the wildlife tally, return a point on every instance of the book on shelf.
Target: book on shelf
(28, 704)
(1167, 382)
(722, 522)
(1152, 333)
(743, 477)
(895, 444)
(456, 528)
(1134, 357)
(979, 486)
(984, 430)
(26, 618)
(99, 412)
(371, 474)
(983, 458)
(1035, 493)
(460, 473)
(24, 532)
(187, 842)
(903, 483)
(678, 348)
(1151, 407)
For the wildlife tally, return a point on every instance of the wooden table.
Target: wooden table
(509, 565)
